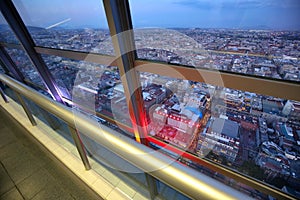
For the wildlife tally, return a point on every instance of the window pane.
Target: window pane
(25, 66)
(6, 34)
(255, 134)
(75, 25)
(94, 88)
(222, 35)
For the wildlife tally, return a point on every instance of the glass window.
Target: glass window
(6, 34)
(221, 35)
(3, 69)
(74, 25)
(92, 87)
(255, 134)
(25, 66)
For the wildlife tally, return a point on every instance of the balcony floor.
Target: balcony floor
(29, 171)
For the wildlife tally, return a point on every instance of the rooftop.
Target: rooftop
(226, 127)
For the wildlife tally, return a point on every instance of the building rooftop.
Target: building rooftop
(226, 127)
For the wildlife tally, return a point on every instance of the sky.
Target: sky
(253, 14)
(272, 14)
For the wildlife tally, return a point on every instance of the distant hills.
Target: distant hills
(6, 27)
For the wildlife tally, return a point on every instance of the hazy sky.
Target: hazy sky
(217, 13)
(273, 14)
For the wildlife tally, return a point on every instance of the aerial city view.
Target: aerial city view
(255, 134)
(251, 133)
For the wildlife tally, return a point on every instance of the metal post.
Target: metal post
(152, 187)
(80, 147)
(26, 109)
(50, 119)
(14, 20)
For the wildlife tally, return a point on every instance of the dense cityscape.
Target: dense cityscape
(255, 134)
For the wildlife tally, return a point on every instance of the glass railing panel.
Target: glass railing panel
(165, 192)
(115, 165)
(134, 178)
(72, 25)
(61, 132)
(50, 120)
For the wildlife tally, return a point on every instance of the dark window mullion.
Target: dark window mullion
(118, 15)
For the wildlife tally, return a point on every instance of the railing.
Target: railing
(183, 179)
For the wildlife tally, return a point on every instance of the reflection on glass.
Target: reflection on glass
(6, 34)
(92, 87)
(73, 25)
(169, 193)
(23, 63)
(203, 36)
(255, 134)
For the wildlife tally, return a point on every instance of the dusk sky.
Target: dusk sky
(271, 14)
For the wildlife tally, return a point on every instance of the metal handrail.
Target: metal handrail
(184, 179)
